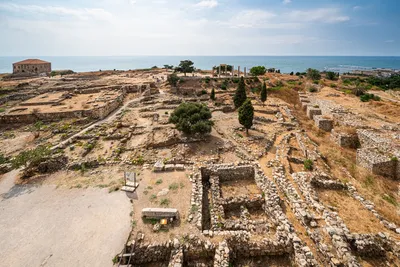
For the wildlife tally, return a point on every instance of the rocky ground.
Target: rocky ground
(334, 213)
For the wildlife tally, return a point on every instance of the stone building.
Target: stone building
(31, 66)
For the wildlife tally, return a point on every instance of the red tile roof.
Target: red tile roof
(31, 61)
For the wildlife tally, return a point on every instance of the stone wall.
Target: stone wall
(229, 172)
(377, 162)
(95, 113)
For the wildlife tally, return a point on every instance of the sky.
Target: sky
(199, 27)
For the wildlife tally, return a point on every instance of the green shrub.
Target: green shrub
(258, 70)
(308, 164)
(32, 156)
(173, 186)
(313, 74)
(3, 159)
(159, 181)
(192, 118)
(368, 97)
(164, 202)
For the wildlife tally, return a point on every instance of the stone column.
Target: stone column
(238, 71)
(219, 71)
(245, 72)
(233, 71)
(226, 69)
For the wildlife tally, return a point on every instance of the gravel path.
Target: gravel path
(45, 226)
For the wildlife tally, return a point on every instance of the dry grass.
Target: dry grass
(357, 218)
(373, 187)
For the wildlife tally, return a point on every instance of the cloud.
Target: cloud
(81, 13)
(207, 4)
(286, 2)
(389, 41)
(324, 15)
(356, 7)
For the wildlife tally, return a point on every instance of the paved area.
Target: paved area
(46, 226)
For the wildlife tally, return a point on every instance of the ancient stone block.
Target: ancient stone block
(345, 139)
(323, 123)
(311, 112)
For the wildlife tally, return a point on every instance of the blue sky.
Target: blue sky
(199, 27)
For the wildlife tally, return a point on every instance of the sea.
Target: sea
(286, 64)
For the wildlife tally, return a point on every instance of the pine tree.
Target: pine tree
(212, 96)
(246, 115)
(264, 93)
(240, 95)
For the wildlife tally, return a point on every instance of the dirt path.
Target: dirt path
(45, 226)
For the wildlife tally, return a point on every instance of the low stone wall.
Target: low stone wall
(95, 113)
(229, 172)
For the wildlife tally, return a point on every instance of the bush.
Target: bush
(368, 97)
(203, 92)
(173, 79)
(330, 75)
(308, 164)
(3, 159)
(257, 71)
(313, 74)
(32, 156)
(207, 79)
(313, 89)
(192, 118)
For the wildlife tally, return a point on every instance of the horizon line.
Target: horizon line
(202, 56)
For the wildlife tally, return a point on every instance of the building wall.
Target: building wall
(32, 68)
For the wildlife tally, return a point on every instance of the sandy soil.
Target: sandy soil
(45, 226)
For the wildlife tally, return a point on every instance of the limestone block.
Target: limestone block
(323, 123)
(311, 112)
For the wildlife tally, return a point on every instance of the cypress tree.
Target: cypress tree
(240, 95)
(264, 93)
(246, 115)
(212, 96)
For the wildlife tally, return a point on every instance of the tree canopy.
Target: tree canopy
(264, 93)
(192, 118)
(246, 115)
(258, 70)
(313, 74)
(240, 95)
(330, 75)
(186, 66)
(212, 96)
(173, 79)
